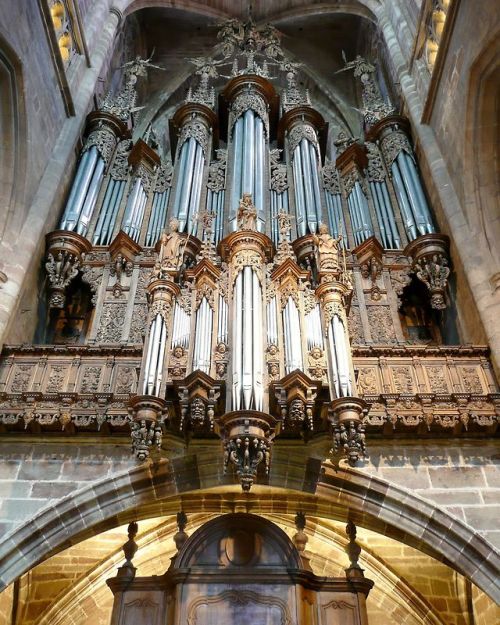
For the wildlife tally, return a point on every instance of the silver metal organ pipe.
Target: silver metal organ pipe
(411, 192)
(187, 183)
(257, 339)
(354, 217)
(147, 364)
(404, 204)
(298, 362)
(390, 217)
(313, 159)
(378, 211)
(367, 227)
(68, 217)
(154, 335)
(306, 181)
(181, 172)
(286, 335)
(344, 373)
(198, 335)
(258, 193)
(247, 337)
(299, 193)
(196, 189)
(236, 190)
(81, 189)
(161, 356)
(90, 199)
(131, 207)
(423, 206)
(114, 206)
(333, 360)
(248, 153)
(237, 340)
(202, 311)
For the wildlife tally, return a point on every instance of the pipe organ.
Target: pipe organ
(246, 303)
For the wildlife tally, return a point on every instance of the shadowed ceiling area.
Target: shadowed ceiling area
(317, 41)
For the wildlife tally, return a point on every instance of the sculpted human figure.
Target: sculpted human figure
(170, 248)
(327, 249)
(247, 213)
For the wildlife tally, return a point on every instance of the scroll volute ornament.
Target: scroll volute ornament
(65, 253)
(429, 254)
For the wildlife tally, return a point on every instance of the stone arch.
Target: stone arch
(166, 486)
(12, 131)
(482, 149)
(402, 593)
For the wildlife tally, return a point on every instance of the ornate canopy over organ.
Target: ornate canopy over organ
(260, 286)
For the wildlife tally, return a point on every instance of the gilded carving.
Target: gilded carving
(471, 380)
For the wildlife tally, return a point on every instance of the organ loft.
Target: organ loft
(243, 296)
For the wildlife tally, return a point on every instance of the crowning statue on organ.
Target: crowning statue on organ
(247, 285)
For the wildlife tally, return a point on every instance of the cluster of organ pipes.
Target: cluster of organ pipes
(248, 341)
(371, 189)
(248, 165)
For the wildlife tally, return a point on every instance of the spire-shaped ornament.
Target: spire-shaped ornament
(128, 570)
(374, 106)
(353, 550)
(123, 104)
(292, 96)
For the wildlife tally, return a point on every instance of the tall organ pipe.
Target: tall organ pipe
(84, 191)
(248, 164)
(109, 210)
(247, 342)
(189, 183)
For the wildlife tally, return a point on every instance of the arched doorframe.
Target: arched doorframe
(165, 487)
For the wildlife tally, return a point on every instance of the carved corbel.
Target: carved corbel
(146, 428)
(346, 421)
(370, 257)
(247, 437)
(65, 252)
(296, 396)
(199, 400)
(430, 260)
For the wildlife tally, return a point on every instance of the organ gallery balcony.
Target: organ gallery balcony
(411, 390)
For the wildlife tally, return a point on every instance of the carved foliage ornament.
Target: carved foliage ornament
(144, 436)
(299, 132)
(104, 140)
(164, 178)
(433, 271)
(194, 129)
(246, 453)
(349, 440)
(250, 100)
(92, 276)
(393, 144)
(375, 170)
(60, 271)
(279, 176)
(217, 172)
(120, 167)
(331, 182)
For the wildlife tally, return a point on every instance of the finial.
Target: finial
(180, 536)
(129, 549)
(353, 550)
(300, 539)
